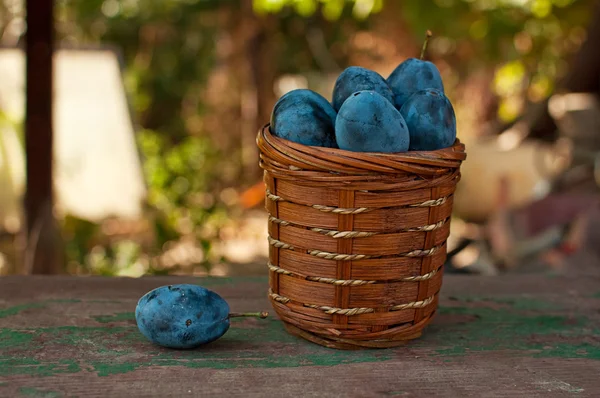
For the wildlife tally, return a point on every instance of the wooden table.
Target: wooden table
(521, 335)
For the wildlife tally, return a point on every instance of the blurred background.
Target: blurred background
(149, 140)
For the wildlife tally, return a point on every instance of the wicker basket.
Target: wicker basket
(357, 240)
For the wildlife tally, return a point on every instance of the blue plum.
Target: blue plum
(305, 117)
(354, 79)
(430, 119)
(182, 316)
(411, 76)
(367, 122)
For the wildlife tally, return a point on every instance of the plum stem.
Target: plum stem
(428, 34)
(261, 315)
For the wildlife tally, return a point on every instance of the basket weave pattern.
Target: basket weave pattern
(357, 240)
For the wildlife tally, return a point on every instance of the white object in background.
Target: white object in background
(287, 83)
(12, 178)
(488, 162)
(98, 172)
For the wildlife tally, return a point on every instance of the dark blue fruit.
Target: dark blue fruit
(411, 76)
(305, 117)
(430, 119)
(182, 316)
(367, 122)
(354, 79)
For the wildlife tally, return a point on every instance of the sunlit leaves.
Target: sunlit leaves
(509, 78)
(268, 6)
(363, 8)
(111, 8)
(508, 84)
(305, 8)
(541, 8)
(330, 9)
(479, 29)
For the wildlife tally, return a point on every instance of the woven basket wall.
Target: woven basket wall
(357, 240)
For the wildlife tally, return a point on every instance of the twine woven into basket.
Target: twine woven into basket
(357, 240)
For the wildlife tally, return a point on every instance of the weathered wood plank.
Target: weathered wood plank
(522, 335)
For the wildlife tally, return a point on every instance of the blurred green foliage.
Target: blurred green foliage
(526, 41)
(167, 54)
(169, 50)
(332, 10)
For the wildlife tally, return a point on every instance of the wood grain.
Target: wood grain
(521, 335)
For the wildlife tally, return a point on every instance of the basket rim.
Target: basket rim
(294, 156)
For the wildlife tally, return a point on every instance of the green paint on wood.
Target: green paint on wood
(111, 368)
(3, 384)
(14, 310)
(472, 324)
(10, 338)
(199, 359)
(515, 303)
(510, 327)
(10, 311)
(120, 349)
(33, 367)
(35, 392)
(119, 317)
(224, 355)
(561, 350)
(597, 295)
(269, 330)
(102, 341)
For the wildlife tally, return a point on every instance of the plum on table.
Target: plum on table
(184, 316)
